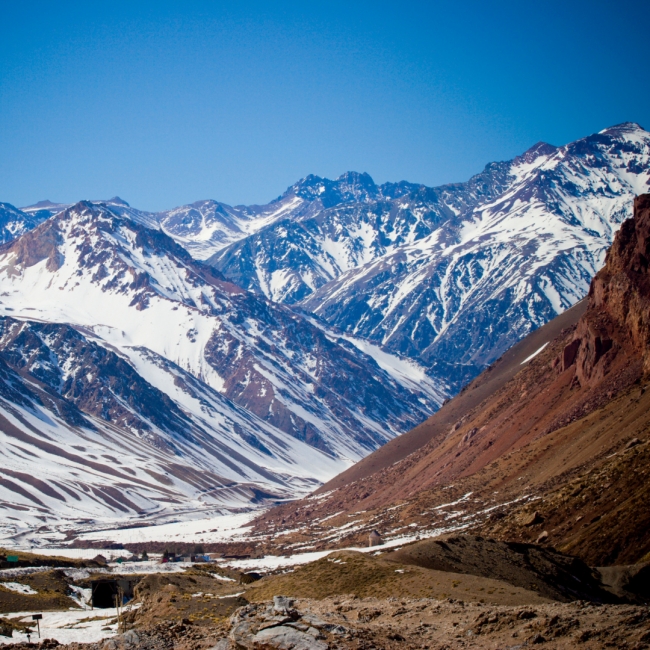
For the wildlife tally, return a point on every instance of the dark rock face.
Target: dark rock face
(15, 222)
(450, 276)
(96, 380)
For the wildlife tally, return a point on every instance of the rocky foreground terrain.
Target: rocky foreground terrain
(367, 623)
(449, 592)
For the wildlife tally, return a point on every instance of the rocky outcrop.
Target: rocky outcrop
(618, 317)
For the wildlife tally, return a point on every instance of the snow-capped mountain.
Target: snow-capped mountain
(452, 276)
(205, 227)
(134, 287)
(15, 222)
(113, 332)
(123, 332)
(290, 259)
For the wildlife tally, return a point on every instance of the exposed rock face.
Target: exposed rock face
(448, 276)
(265, 357)
(95, 379)
(618, 318)
(15, 222)
(454, 275)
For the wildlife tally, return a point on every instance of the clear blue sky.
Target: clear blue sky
(165, 103)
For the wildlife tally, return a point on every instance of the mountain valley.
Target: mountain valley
(275, 346)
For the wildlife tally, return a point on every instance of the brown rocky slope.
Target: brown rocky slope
(552, 448)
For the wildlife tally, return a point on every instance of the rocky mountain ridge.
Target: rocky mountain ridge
(449, 277)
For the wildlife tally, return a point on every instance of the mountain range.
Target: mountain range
(241, 355)
(122, 325)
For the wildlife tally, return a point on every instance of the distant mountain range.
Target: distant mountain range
(269, 347)
(449, 277)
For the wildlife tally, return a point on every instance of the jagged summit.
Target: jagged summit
(350, 186)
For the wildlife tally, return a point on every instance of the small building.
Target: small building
(374, 539)
(100, 559)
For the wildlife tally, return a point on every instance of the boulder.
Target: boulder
(282, 604)
(287, 638)
(533, 519)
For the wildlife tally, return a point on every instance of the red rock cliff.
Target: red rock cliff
(618, 317)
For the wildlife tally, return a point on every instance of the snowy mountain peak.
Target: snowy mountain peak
(453, 274)
(624, 127)
(536, 151)
(15, 222)
(350, 186)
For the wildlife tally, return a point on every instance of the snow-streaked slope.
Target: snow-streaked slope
(356, 223)
(88, 442)
(15, 222)
(459, 297)
(207, 226)
(134, 288)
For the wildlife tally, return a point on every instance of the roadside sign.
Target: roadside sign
(12, 558)
(37, 618)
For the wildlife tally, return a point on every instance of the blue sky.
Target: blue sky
(164, 103)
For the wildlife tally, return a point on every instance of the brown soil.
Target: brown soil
(535, 568)
(52, 588)
(197, 597)
(351, 572)
(493, 379)
(406, 624)
(602, 514)
(451, 624)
